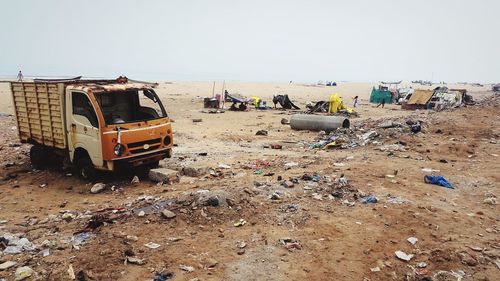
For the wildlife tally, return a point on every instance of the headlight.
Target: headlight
(119, 149)
(167, 140)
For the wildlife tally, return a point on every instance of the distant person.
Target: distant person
(382, 103)
(356, 101)
(20, 76)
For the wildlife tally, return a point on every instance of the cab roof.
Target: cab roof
(121, 83)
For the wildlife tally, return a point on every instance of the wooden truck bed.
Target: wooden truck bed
(39, 111)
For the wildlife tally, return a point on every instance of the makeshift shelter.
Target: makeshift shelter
(381, 94)
(418, 100)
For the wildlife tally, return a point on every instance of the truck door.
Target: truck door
(83, 126)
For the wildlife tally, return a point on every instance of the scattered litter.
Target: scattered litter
(421, 264)
(412, 240)
(429, 170)
(186, 268)
(152, 245)
(133, 260)
(7, 265)
(98, 187)
(71, 272)
(403, 256)
(438, 180)
(163, 276)
(135, 179)
(224, 166)
(23, 272)
(81, 238)
(290, 243)
(375, 269)
(241, 222)
(290, 165)
(369, 199)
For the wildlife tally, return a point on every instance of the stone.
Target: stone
(98, 187)
(468, 259)
(7, 265)
(288, 184)
(211, 263)
(135, 180)
(195, 170)
(168, 214)
(164, 175)
(141, 214)
(490, 201)
(23, 272)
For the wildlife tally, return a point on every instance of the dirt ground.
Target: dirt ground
(316, 229)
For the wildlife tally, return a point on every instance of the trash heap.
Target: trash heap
(367, 132)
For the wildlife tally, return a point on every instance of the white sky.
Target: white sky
(300, 40)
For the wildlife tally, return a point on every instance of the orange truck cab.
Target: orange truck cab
(93, 124)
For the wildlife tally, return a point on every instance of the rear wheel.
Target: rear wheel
(85, 169)
(38, 156)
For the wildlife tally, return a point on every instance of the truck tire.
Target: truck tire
(38, 156)
(85, 169)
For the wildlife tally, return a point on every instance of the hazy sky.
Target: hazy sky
(306, 40)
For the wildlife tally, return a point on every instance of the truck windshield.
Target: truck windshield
(130, 106)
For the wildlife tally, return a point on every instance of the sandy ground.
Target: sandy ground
(337, 239)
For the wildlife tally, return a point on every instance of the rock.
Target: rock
(164, 175)
(98, 187)
(68, 217)
(211, 263)
(224, 166)
(71, 273)
(213, 201)
(288, 184)
(135, 179)
(261, 133)
(490, 201)
(141, 214)
(23, 272)
(403, 256)
(7, 265)
(241, 252)
(186, 268)
(285, 121)
(168, 214)
(195, 170)
(468, 259)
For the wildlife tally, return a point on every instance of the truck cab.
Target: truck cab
(105, 124)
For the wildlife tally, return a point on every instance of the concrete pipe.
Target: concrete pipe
(318, 122)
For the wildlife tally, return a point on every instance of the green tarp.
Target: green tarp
(378, 95)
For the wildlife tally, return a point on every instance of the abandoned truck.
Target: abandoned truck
(92, 124)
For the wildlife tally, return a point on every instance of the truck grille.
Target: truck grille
(140, 150)
(138, 147)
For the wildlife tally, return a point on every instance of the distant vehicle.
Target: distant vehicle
(92, 124)
(496, 88)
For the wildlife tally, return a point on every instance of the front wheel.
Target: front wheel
(85, 169)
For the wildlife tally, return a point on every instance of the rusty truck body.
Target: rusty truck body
(92, 124)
